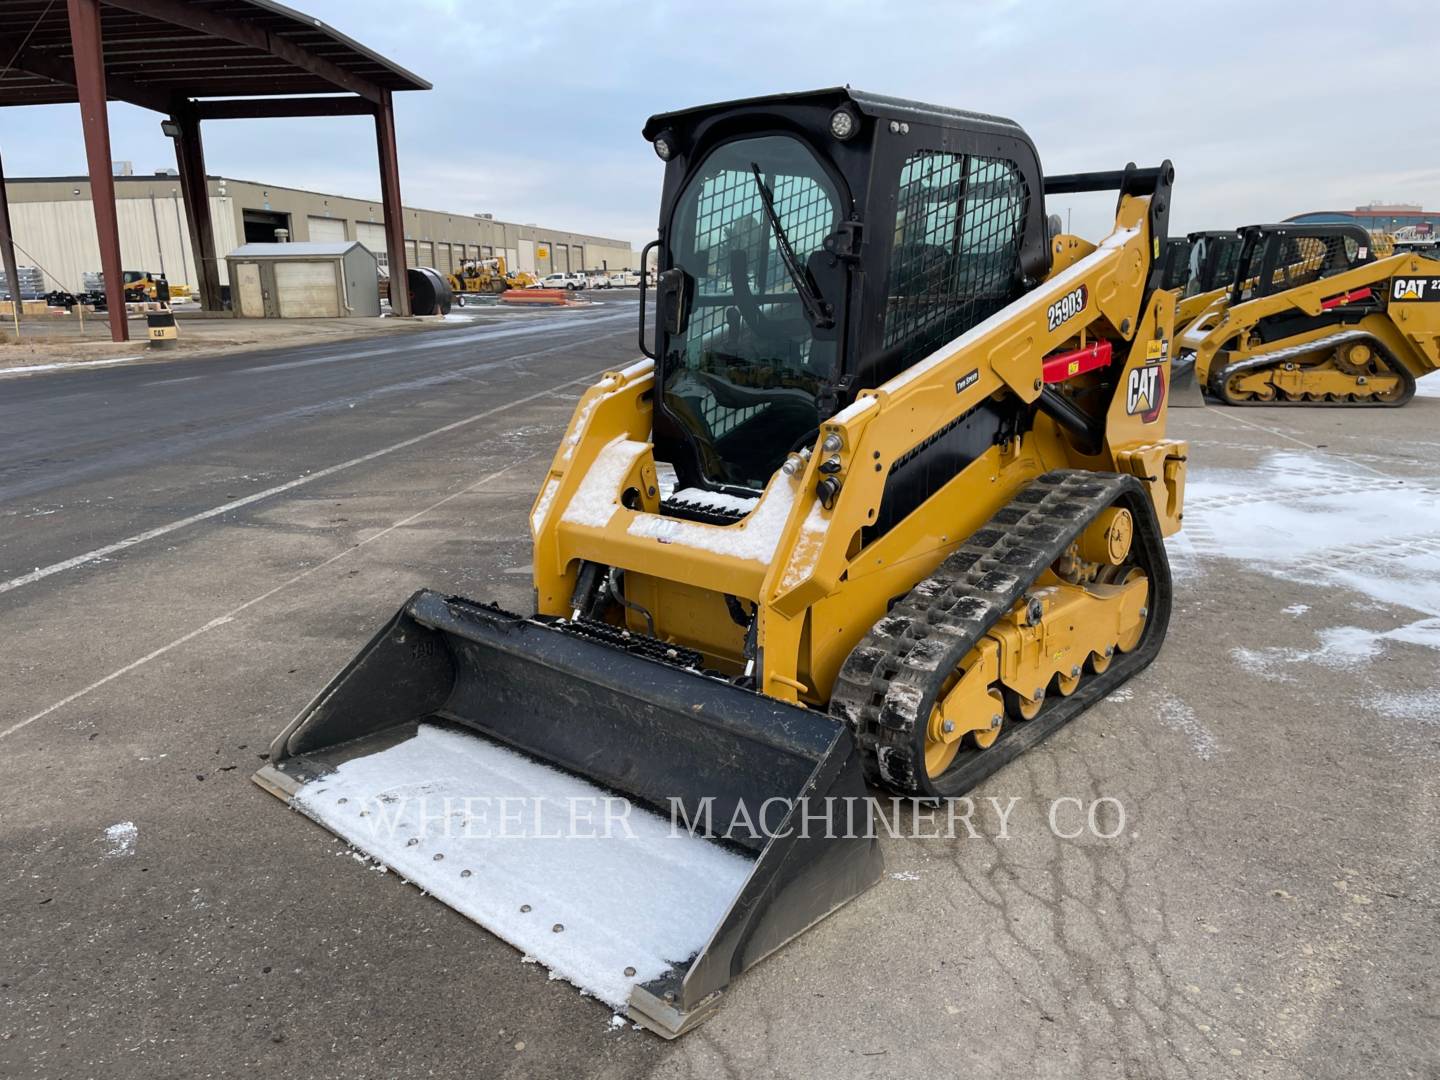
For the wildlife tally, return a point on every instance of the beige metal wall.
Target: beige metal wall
(54, 221)
(60, 238)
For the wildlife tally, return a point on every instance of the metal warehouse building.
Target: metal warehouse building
(54, 225)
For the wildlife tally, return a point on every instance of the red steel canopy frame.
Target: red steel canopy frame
(194, 60)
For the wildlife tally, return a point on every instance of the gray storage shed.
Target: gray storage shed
(303, 280)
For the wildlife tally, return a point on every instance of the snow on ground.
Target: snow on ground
(1322, 522)
(1178, 716)
(120, 839)
(538, 857)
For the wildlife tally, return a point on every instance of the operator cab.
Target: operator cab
(814, 245)
(1274, 258)
(1213, 257)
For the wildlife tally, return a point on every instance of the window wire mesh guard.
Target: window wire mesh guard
(730, 216)
(957, 237)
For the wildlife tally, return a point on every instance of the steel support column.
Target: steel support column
(90, 84)
(390, 200)
(7, 247)
(195, 190)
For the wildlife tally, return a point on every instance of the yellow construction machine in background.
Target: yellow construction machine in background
(1313, 317)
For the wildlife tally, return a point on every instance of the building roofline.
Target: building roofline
(215, 178)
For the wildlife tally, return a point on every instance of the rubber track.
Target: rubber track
(887, 687)
(1219, 377)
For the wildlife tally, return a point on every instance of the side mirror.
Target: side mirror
(673, 293)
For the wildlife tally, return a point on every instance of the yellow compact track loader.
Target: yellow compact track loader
(1208, 273)
(884, 501)
(1314, 318)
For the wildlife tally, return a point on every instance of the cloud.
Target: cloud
(536, 112)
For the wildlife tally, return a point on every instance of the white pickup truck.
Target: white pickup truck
(561, 281)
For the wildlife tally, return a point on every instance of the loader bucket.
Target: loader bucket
(1185, 390)
(580, 799)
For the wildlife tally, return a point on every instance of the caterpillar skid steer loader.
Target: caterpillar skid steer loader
(885, 500)
(1314, 318)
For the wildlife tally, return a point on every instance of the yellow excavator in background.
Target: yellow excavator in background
(1313, 317)
(884, 501)
(488, 276)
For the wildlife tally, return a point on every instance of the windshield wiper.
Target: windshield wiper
(816, 310)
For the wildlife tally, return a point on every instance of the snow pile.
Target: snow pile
(807, 547)
(598, 496)
(598, 891)
(120, 839)
(542, 504)
(754, 539)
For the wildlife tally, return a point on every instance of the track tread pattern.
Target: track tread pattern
(887, 686)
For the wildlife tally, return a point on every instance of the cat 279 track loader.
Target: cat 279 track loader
(1208, 273)
(885, 501)
(1314, 318)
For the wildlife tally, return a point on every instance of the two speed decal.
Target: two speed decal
(1067, 307)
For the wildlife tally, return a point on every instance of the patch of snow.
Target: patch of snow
(666, 478)
(1312, 519)
(598, 496)
(542, 504)
(905, 875)
(1423, 706)
(1342, 648)
(1427, 387)
(643, 366)
(32, 369)
(1178, 716)
(754, 539)
(1295, 609)
(120, 839)
(807, 547)
(536, 856)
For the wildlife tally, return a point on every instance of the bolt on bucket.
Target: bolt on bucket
(644, 831)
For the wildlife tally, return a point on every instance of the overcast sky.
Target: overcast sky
(1267, 109)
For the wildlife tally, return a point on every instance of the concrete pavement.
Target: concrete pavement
(1266, 908)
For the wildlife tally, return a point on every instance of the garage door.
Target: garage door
(427, 254)
(577, 258)
(372, 236)
(247, 284)
(307, 290)
(560, 257)
(525, 258)
(326, 230)
(442, 257)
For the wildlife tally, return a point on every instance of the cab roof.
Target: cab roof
(873, 105)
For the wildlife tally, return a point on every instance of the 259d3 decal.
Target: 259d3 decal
(1067, 307)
